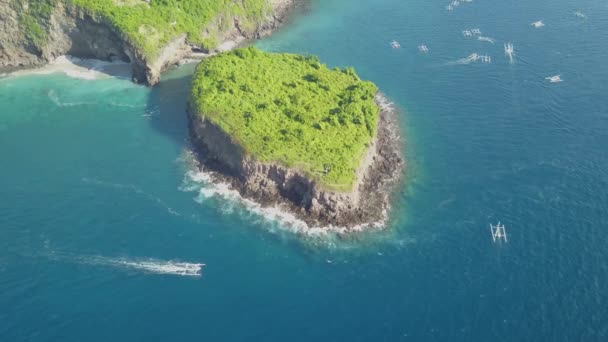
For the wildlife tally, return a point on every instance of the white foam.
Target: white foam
(126, 105)
(554, 79)
(55, 99)
(207, 187)
(86, 69)
(580, 15)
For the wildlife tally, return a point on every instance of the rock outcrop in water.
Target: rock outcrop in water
(72, 30)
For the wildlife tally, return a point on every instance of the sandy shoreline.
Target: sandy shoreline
(86, 69)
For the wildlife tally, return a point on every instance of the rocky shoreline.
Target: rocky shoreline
(366, 205)
(72, 31)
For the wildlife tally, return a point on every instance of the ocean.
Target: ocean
(104, 224)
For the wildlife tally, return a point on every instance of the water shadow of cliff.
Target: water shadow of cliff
(167, 104)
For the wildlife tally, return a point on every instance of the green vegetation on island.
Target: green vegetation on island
(290, 109)
(151, 24)
(32, 17)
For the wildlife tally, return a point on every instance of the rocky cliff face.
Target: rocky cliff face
(72, 31)
(272, 184)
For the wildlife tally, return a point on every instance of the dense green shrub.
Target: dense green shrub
(32, 18)
(290, 109)
(150, 26)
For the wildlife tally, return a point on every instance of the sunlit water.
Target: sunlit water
(104, 226)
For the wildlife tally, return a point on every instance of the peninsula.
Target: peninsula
(284, 129)
(150, 34)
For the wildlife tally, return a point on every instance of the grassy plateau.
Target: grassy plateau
(290, 109)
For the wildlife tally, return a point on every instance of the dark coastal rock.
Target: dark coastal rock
(275, 185)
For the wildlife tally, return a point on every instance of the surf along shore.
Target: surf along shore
(320, 144)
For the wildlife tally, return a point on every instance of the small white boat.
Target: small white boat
(538, 24)
(580, 14)
(554, 79)
(499, 232)
(423, 48)
(395, 44)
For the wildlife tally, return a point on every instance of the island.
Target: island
(150, 34)
(285, 130)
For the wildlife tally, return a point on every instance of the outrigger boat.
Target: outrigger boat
(498, 232)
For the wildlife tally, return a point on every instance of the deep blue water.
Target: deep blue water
(96, 202)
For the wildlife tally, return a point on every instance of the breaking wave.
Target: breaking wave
(274, 218)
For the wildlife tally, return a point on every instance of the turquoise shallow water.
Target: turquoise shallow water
(98, 214)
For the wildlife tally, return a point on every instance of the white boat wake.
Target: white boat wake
(474, 57)
(486, 39)
(134, 189)
(148, 265)
(580, 15)
(452, 5)
(145, 265)
(509, 51)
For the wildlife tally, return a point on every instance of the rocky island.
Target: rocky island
(150, 34)
(285, 130)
